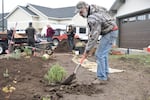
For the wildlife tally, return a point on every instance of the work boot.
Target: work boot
(108, 78)
(100, 82)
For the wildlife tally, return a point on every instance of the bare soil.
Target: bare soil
(63, 46)
(28, 73)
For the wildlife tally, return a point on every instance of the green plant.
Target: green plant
(45, 57)
(27, 50)
(55, 74)
(46, 97)
(16, 54)
(142, 58)
(6, 74)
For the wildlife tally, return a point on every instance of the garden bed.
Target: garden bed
(27, 76)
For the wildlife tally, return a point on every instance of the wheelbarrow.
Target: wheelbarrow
(44, 47)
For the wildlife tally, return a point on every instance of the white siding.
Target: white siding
(131, 6)
(79, 21)
(66, 22)
(23, 18)
(44, 22)
(19, 17)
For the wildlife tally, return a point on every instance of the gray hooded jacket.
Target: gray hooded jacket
(99, 23)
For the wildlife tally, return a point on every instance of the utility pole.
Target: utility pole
(3, 15)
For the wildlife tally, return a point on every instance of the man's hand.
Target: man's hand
(85, 54)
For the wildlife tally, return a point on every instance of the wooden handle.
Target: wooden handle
(82, 59)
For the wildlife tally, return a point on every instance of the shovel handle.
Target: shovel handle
(82, 59)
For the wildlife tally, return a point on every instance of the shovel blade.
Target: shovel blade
(69, 80)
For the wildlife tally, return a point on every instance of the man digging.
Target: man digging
(99, 23)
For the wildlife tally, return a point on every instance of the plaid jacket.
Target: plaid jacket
(99, 23)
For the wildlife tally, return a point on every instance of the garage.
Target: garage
(134, 30)
(133, 18)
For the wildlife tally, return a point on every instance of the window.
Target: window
(82, 30)
(141, 17)
(149, 16)
(124, 21)
(57, 33)
(62, 32)
(132, 19)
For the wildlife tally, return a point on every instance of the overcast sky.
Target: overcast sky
(9, 5)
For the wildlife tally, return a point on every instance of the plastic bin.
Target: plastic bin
(80, 49)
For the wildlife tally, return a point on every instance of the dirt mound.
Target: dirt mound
(56, 92)
(62, 47)
(77, 89)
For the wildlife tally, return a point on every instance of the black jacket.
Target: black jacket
(9, 34)
(70, 34)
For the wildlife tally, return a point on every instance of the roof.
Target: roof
(117, 4)
(64, 12)
(28, 11)
(147, 10)
(56, 12)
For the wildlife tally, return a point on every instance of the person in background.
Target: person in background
(99, 23)
(49, 33)
(30, 32)
(10, 36)
(70, 34)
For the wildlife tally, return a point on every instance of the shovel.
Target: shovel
(69, 80)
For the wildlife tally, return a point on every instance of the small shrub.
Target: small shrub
(16, 54)
(46, 97)
(55, 74)
(45, 57)
(6, 74)
(27, 50)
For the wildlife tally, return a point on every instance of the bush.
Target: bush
(55, 74)
(16, 54)
(45, 57)
(27, 51)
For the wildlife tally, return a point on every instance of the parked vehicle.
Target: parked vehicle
(82, 33)
(19, 38)
(60, 35)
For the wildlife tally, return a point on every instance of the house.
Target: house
(41, 16)
(133, 17)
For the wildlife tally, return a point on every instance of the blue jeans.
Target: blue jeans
(71, 43)
(102, 53)
(49, 39)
